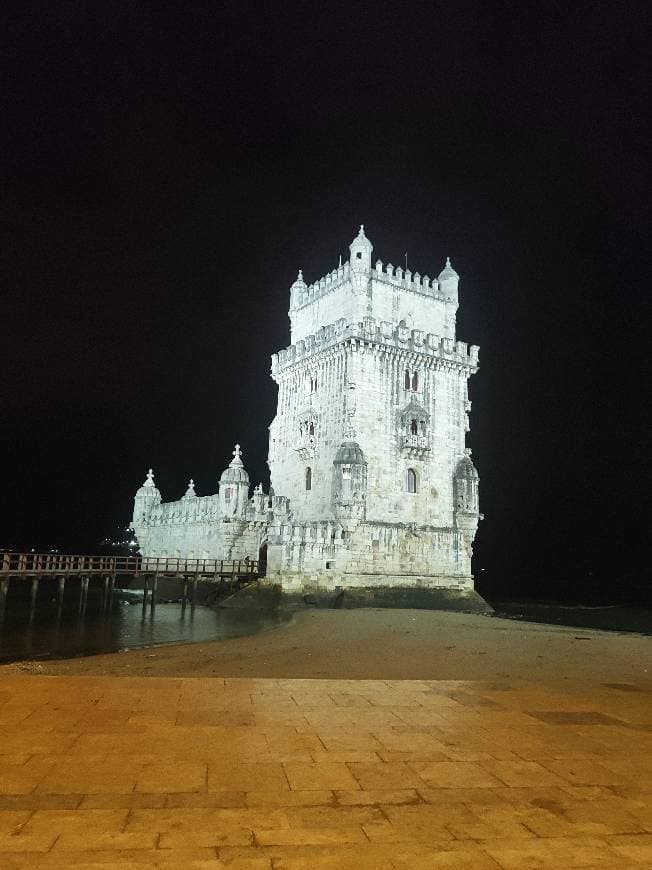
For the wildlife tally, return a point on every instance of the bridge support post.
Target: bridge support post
(83, 597)
(154, 591)
(193, 600)
(61, 582)
(105, 594)
(4, 589)
(184, 598)
(32, 600)
(145, 590)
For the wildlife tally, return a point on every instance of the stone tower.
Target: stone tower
(369, 435)
(371, 480)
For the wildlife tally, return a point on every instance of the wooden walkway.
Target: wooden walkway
(109, 570)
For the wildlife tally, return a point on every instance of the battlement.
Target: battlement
(412, 282)
(381, 333)
(320, 288)
(407, 280)
(198, 509)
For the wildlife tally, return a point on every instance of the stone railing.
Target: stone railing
(420, 441)
(381, 333)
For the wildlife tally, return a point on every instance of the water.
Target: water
(125, 626)
(612, 617)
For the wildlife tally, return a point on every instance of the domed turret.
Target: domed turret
(349, 452)
(234, 487)
(297, 291)
(466, 499)
(466, 470)
(448, 281)
(147, 497)
(361, 249)
(349, 482)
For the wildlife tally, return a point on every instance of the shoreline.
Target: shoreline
(384, 644)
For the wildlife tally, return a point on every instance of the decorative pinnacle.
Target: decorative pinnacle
(237, 456)
(448, 262)
(149, 481)
(300, 275)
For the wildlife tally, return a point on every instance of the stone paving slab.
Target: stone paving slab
(286, 774)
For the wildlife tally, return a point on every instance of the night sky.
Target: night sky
(167, 168)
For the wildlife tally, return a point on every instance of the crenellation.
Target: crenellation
(384, 334)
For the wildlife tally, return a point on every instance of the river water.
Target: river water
(124, 625)
(606, 617)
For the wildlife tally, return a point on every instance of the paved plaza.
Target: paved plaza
(289, 774)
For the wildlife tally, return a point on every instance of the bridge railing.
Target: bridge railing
(54, 563)
(58, 563)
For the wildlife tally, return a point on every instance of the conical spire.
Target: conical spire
(190, 492)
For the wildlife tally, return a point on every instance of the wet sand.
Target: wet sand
(387, 645)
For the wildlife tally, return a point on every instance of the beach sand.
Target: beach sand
(387, 645)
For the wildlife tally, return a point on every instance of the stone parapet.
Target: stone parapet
(412, 282)
(382, 334)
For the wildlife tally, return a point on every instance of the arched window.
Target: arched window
(411, 480)
(311, 429)
(407, 380)
(308, 478)
(415, 381)
(413, 428)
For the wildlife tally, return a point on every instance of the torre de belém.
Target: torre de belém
(372, 484)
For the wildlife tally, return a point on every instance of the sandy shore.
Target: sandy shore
(388, 644)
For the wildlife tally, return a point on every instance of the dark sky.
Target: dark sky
(167, 168)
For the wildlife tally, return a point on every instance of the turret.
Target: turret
(190, 492)
(349, 482)
(234, 487)
(297, 291)
(448, 282)
(465, 499)
(146, 498)
(361, 249)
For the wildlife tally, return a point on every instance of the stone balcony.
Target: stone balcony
(306, 447)
(415, 445)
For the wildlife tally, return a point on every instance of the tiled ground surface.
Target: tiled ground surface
(208, 773)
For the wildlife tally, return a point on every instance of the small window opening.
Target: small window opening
(407, 380)
(311, 429)
(413, 427)
(329, 565)
(411, 480)
(415, 381)
(423, 427)
(346, 472)
(308, 478)
(359, 255)
(228, 493)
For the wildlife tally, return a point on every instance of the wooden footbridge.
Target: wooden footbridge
(109, 571)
